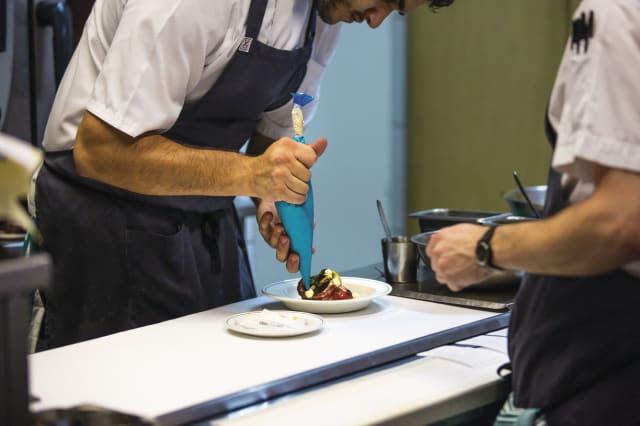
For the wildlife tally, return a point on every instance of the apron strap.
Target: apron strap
(242, 244)
(505, 370)
(254, 19)
(311, 26)
(256, 16)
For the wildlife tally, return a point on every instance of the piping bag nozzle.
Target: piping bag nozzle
(298, 218)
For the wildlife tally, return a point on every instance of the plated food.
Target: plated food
(364, 290)
(327, 285)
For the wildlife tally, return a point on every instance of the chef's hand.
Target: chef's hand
(282, 172)
(452, 251)
(274, 234)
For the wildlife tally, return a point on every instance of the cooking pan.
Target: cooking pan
(518, 205)
(432, 219)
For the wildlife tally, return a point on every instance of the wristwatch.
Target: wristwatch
(484, 254)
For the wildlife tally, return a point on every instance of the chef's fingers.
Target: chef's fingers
(433, 239)
(277, 233)
(319, 146)
(270, 231)
(296, 190)
(443, 280)
(298, 181)
(264, 206)
(455, 288)
(306, 160)
(293, 263)
(264, 225)
(282, 248)
(284, 254)
(293, 197)
(282, 172)
(309, 154)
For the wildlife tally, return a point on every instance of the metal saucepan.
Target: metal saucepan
(518, 205)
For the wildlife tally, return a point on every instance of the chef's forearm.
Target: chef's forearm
(257, 145)
(594, 236)
(566, 244)
(155, 165)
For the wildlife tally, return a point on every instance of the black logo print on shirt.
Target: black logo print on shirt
(583, 30)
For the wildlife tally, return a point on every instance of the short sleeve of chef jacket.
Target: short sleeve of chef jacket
(166, 54)
(595, 105)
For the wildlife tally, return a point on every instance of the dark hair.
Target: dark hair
(437, 4)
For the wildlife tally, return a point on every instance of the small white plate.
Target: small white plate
(364, 289)
(273, 323)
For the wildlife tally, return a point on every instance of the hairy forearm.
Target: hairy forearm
(594, 236)
(156, 165)
(573, 242)
(257, 145)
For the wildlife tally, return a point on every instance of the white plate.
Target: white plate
(272, 323)
(365, 289)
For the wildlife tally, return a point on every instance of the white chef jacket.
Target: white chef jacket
(139, 61)
(595, 103)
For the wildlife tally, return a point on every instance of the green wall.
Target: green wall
(479, 77)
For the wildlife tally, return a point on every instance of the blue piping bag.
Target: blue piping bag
(298, 218)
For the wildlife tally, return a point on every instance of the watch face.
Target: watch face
(482, 253)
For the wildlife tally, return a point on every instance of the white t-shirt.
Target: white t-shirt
(139, 61)
(595, 104)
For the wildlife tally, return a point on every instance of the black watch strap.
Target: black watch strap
(484, 253)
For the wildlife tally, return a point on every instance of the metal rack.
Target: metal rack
(18, 277)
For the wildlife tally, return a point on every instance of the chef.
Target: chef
(134, 200)
(573, 339)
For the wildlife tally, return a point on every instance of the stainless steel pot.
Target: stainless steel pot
(518, 205)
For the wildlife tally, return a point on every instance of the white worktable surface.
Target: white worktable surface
(433, 386)
(176, 364)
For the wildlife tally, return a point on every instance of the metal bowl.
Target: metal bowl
(421, 240)
(518, 205)
(504, 219)
(432, 219)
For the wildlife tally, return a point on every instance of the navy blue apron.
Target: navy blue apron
(124, 260)
(574, 342)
